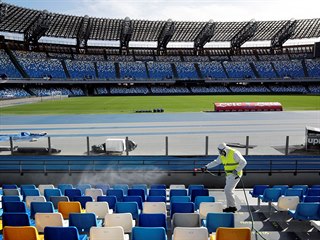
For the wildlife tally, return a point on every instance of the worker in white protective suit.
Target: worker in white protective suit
(233, 163)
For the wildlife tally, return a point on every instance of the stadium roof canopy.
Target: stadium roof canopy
(14, 19)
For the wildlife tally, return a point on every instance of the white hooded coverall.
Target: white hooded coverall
(231, 181)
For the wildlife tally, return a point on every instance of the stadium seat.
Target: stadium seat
(186, 220)
(128, 207)
(42, 187)
(103, 186)
(65, 208)
(154, 233)
(56, 199)
(154, 207)
(30, 192)
(25, 232)
(124, 220)
(18, 206)
(223, 233)
(43, 220)
(83, 221)
(207, 207)
(111, 200)
(30, 199)
(304, 187)
(136, 199)
(124, 188)
(114, 233)
(184, 207)
(216, 220)
(62, 233)
(64, 186)
(11, 192)
(11, 199)
(83, 187)
(180, 199)
(158, 186)
(100, 209)
(306, 211)
(198, 192)
(282, 187)
(137, 192)
(141, 186)
(157, 192)
(118, 193)
(258, 190)
(94, 193)
(186, 233)
(156, 199)
(40, 207)
(52, 192)
(72, 192)
(194, 186)
(83, 200)
(270, 195)
(286, 203)
(177, 192)
(15, 219)
(199, 199)
(153, 220)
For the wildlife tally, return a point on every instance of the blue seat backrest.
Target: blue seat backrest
(157, 192)
(83, 221)
(137, 192)
(199, 192)
(41, 207)
(136, 199)
(154, 233)
(61, 233)
(111, 200)
(83, 200)
(215, 220)
(153, 220)
(15, 219)
(181, 208)
(17, 206)
(258, 190)
(116, 192)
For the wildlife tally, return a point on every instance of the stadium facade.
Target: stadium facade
(77, 56)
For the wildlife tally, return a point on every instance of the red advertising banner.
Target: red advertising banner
(247, 106)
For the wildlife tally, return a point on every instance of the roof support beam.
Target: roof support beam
(283, 35)
(38, 28)
(83, 33)
(3, 11)
(165, 35)
(204, 36)
(126, 33)
(245, 34)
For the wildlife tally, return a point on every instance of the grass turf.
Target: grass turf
(130, 104)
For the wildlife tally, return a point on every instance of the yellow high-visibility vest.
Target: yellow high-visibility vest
(229, 163)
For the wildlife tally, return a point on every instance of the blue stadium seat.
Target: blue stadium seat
(62, 233)
(154, 233)
(153, 220)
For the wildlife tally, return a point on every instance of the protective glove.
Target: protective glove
(203, 169)
(235, 173)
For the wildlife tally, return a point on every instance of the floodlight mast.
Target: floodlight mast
(244, 35)
(165, 36)
(125, 35)
(204, 37)
(84, 34)
(283, 34)
(37, 28)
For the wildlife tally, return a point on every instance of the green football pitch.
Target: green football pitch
(131, 104)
